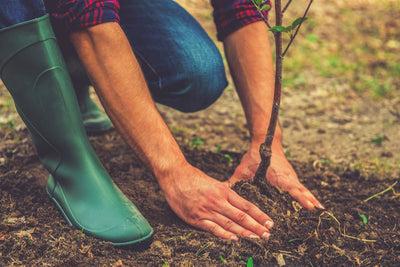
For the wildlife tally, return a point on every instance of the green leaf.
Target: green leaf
(276, 29)
(196, 142)
(297, 22)
(265, 7)
(258, 3)
(223, 260)
(218, 148)
(363, 218)
(228, 158)
(378, 140)
(250, 262)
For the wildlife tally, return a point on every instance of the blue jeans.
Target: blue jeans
(17, 11)
(183, 67)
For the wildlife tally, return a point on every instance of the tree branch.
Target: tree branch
(298, 28)
(264, 19)
(286, 6)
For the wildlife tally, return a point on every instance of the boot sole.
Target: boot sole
(144, 241)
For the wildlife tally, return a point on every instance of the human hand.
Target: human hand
(280, 174)
(213, 206)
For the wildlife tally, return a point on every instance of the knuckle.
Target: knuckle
(213, 228)
(228, 225)
(197, 214)
(247, 207)
(241, 217)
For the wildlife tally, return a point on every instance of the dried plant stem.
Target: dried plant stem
(381, 193)
(342, 232)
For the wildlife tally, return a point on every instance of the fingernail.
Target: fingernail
(269, 224)
(266, 235)
(254, 237)
(320, 206)
(234, 238)
(310, 204)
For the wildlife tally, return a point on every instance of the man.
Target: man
(137, 51)
(189, 77)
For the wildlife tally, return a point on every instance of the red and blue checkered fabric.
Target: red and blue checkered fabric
(229, 15)
(73, 15)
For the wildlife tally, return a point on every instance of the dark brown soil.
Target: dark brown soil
(32, 232)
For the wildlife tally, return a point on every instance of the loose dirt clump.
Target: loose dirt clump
(349, 232)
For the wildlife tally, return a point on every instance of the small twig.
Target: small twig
(286, 6)
(343, 233)
(262, 15)
(264, 19)
(382, 192)
(298, 28)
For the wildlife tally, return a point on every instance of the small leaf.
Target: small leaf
(196, 142)
(265, 7)
(250, 262)
(276, 29)
(223, 260)
(228, 158)
(378, 140)
(258, 3)
(297, 22)
(363, 218)
(218, 148)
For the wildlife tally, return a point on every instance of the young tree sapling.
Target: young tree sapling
(278, 29)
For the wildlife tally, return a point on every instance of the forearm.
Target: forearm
(121, 87)
(250, 60)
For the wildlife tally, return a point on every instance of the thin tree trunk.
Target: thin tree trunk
(265, 148)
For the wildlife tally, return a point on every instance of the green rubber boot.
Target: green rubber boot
(94, 120)
(32, 69)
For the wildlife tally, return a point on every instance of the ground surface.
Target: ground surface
(341, 120)
(32, 231)
(341, 99)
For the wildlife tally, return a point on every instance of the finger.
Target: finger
(232, 227)
(250, 209)
(301, 198)
(216, 230)
(311, 197)
(244, 220)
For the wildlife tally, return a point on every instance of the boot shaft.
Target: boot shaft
(34, 72)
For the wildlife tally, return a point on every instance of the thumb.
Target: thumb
(242, 172)
(233, 179)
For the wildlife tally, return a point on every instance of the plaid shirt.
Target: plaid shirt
(229, 15)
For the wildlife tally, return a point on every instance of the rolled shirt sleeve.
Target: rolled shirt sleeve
(72, 15)
(231, 15)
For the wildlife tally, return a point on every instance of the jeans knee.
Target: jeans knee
(205, 82)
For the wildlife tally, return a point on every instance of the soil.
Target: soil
(32, 231)
(343, 143)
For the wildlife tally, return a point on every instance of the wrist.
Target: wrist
(168, 174)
